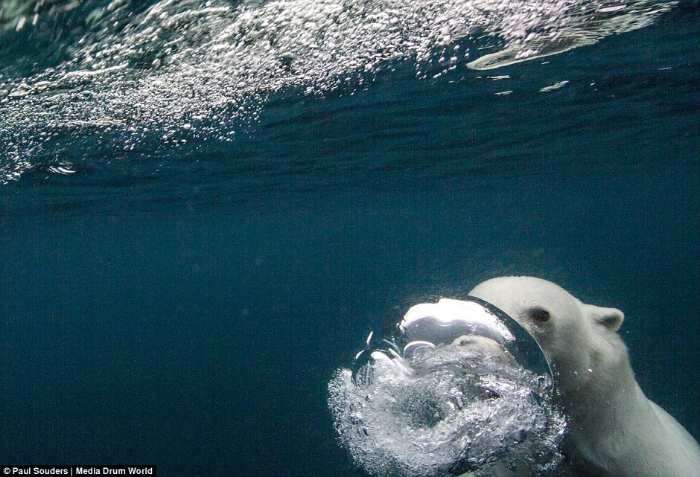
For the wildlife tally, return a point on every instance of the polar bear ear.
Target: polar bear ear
(610, 318)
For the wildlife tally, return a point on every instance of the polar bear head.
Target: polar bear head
(579, 340)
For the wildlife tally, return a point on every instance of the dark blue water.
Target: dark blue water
(183, 268)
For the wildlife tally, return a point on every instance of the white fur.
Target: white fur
(613, 429)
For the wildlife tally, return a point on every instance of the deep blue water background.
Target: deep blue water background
(189, 310)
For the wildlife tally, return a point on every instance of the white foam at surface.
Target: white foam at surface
(205, 64)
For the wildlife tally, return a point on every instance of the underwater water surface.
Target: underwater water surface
(206, 206)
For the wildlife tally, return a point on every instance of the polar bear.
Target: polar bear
(613, 429)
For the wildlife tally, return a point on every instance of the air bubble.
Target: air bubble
(457, 410)
(461, 387)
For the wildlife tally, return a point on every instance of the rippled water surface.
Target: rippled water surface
(136, 81)
(206, 206)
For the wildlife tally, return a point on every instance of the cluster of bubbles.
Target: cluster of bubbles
(446, 410)
(179, 71)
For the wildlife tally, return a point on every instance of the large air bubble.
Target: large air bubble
(462, 404)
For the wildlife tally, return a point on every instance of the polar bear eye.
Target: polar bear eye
(539, 315)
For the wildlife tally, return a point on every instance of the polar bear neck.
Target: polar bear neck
(594, 367)
(611, 423)
(605, 382)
